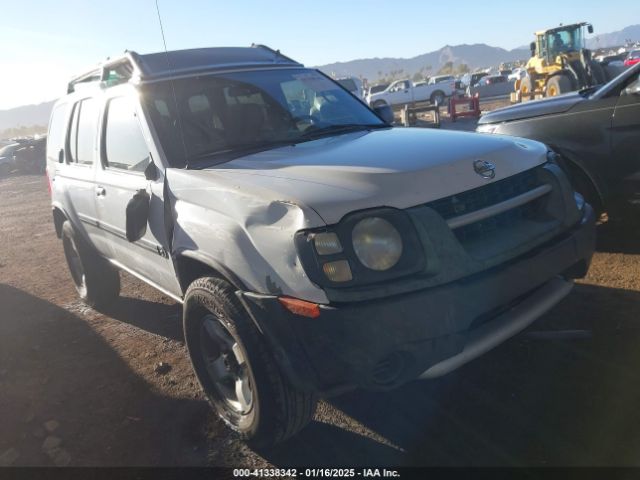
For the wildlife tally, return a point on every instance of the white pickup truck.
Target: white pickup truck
(403, 91)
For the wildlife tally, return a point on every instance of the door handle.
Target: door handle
(100, 192)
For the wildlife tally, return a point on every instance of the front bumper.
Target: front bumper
(381, 344)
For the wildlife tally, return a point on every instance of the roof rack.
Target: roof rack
(275, 52)
(157, 66)
(111, 72)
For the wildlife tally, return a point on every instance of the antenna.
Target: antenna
(173, 89)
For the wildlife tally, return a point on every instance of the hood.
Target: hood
(536, 108)
(399, 167)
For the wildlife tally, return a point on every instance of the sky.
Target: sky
(44, 43)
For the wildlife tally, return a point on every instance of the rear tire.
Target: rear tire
(96, 280)
(557, 85)
(236, 368)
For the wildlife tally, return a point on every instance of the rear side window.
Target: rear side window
(82, 132)
(57, 132)
(87, 129)
(125, 147)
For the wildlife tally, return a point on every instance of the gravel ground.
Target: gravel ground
(81, 387)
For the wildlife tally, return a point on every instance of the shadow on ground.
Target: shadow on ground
(53, 366)
(572, 400)
(154, 317)
(619, 237)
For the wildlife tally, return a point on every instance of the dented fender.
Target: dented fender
(246, 233)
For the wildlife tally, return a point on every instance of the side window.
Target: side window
(125, 148)
(87, 129)
(73, 134)
(57, 132)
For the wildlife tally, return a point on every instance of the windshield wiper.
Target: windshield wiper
(340, 128)
(585, 92)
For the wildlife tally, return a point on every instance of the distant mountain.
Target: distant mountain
(26, 116)
(474, 56)
(614, 39)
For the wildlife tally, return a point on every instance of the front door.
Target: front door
(125, 156)
(625, 139)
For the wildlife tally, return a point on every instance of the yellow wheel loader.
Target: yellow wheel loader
(559, 63)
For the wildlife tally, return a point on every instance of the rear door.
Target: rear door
(625, 138)
(125, 154)
(74, 178)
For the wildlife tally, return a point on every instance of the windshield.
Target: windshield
(225, 113)
(565, 41)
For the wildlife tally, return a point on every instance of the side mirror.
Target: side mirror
(137, 215)
(532, 47)
(590, 28)
(633, 89)
(385, 113)
(151, 171)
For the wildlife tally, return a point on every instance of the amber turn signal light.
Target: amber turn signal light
(300, 307)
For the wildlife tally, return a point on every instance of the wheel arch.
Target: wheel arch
(191, 265)
(59, 218)
(576, 167)
(436, 92)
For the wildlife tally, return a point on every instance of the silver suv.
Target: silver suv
(314, 247)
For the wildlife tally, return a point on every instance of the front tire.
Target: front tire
(95, 280)
(236, 369)
(557, 85)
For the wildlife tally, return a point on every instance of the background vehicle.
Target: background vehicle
(401, 92)
(597, 132)
(7, 157)
(559, 63)
(353, 84)
(517, 74)
(440, 79)
(30, 156)
(492, 86)
(632, 58)
(380, 87)
(297, 242)
(470, 79)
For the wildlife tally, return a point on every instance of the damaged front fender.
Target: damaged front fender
(247, 233)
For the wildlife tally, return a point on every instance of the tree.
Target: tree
(462, 68)
(447, 69)
(417, 77)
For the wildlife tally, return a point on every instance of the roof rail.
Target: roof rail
(275, 52)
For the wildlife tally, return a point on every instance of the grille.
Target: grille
(485, 196)
(498, 225)
(491, 225)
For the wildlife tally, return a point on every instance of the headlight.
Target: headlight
(487, 128)
(377, 243)
(365, 248)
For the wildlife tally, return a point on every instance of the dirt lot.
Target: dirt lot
(79, 387)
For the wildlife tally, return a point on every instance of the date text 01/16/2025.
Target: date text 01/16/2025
(315, 472)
